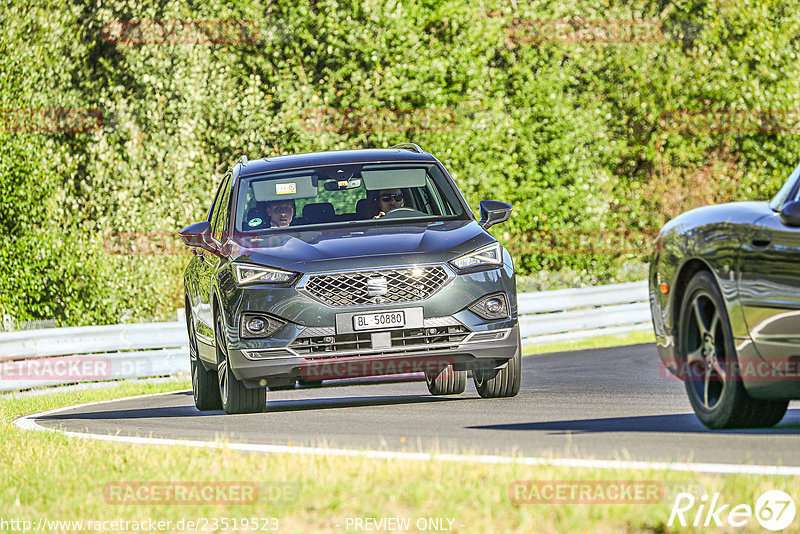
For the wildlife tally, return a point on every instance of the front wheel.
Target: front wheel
(447, 381)
(712, 374)
(497, 383)
(204, 388)
(204, 383)
(236, 398)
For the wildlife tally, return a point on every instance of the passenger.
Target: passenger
(388, 200)
(280, 213)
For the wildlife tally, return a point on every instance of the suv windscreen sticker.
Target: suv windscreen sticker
(285, 189)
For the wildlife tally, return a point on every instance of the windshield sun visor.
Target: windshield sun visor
(397, 178)
(285, 188)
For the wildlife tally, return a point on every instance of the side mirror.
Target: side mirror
(493, 212)
(198, 235)
(790, 214)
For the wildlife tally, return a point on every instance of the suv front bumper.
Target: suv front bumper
(255, 366)
(313, 336)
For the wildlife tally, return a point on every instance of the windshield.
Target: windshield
(777, 201)
(345, 194)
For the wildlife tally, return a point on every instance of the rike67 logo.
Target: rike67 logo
(774, 510)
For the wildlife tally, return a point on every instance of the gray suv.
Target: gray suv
(347, 264)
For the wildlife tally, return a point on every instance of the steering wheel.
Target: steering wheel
(399, 212)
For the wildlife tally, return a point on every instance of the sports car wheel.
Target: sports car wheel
(711, 371)
(236, 398)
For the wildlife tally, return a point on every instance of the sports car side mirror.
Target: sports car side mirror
(493, 212)
(790, 214)
(198, 235)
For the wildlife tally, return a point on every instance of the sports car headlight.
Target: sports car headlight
(487, 256)
(252, 274)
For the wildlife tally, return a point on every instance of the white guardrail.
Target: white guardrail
(55, 356)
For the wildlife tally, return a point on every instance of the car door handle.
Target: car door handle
(762, 240)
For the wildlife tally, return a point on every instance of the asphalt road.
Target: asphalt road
(597, 404)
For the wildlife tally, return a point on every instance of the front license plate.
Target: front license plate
(372, 321)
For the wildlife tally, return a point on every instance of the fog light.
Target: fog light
(259, 325)
(493, 305)
(256, 325)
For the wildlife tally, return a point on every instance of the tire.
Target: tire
(710, 365)
(235, 397)
(447, 382)
(498, 383)
(205, 388)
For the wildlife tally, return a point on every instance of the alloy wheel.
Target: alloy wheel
(706, 353)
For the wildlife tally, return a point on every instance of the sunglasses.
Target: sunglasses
(398, 197)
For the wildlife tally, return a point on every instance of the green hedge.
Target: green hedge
(571, 133)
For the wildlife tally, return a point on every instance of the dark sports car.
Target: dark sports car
(347, 264)
(725, 299)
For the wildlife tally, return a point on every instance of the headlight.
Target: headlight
(488, 256)
(252, 274)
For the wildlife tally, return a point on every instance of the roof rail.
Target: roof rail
(243, 161)
(409, 146)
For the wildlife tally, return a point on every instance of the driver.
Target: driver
(388, 200)
(280, 213)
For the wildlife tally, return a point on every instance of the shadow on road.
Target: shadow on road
(291, 405)
(681, 423)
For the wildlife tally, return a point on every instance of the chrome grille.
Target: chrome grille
(418, 338)
(405, 284)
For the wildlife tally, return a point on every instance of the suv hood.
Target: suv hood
(361, 246)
